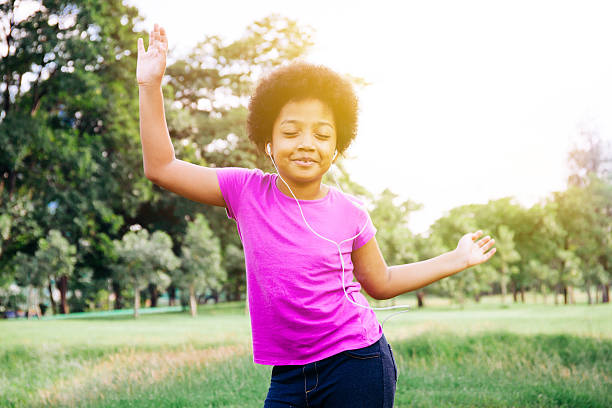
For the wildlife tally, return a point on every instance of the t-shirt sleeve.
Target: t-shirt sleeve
(233, 182)
(368, 232)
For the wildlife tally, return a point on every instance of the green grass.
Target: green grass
(480, 355)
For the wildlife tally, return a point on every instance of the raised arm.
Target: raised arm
(197, 183)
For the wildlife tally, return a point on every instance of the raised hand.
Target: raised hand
(474, 253)
(151, 64)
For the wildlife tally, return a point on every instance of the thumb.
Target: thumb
(141, 46)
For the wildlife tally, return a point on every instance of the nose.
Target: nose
(306, 141)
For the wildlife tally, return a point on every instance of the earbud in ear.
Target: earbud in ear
(268, 148)
(335, 154)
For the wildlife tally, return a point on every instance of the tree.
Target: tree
(391, 220)
(69, 124)
(206, 93)
(200, 261)
(446, 232)
(233, 264)
(507, 256)
(56, 259)
(590, 164)
(29, 275)
(5, 229)
(142, 258)
(591, 155)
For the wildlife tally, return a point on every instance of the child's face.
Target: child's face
(304, 130)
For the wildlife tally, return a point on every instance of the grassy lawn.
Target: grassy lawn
(532, 355)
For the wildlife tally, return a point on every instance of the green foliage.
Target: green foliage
(200, 259)
(142, 258)
(70, 131)
(27, 271)
(393, 236)
(208, 90)
(233, 264)
(55, 256)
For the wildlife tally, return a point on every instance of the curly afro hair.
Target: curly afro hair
(295, 82)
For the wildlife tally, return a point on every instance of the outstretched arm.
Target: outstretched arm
(382, 282)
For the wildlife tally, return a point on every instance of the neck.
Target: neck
(310, 191)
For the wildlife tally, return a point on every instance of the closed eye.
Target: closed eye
(289, 134)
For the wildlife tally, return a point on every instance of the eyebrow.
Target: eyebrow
(322, 122)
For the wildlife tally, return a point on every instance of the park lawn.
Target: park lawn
(518, 355)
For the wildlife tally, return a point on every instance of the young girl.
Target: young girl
(303, 240)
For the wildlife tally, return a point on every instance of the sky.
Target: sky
(469, 101)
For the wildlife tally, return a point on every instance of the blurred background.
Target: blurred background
(474, 115)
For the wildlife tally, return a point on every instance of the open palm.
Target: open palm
(151, 63)
(474, 253)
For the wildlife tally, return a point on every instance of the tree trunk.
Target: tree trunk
(171, 295)
(192, 301)
(237, 293)
(118, 299)
(136, 301)
(153, 294)
(477, 297)
(565, 295)
(522, 295)
(53, 305)
(37, 304)
(62, 285)
(420, 298)
(587, 289)
(32, 304)
(502, 283)
(605, 295)
(514, 292)
(29, 302)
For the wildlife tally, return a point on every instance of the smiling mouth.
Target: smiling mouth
(304, 162)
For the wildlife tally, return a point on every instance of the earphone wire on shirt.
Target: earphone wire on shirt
(339, 249)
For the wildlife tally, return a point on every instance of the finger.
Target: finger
(163, 37)
(477, 234)
(484, 240)
(141, 49)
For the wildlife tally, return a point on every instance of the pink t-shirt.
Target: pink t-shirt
(299, 313)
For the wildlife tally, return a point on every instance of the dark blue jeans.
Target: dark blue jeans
(364, 377)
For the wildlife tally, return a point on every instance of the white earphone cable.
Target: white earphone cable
(338, 246)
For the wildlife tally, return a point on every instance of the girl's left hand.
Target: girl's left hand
(474, 253)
